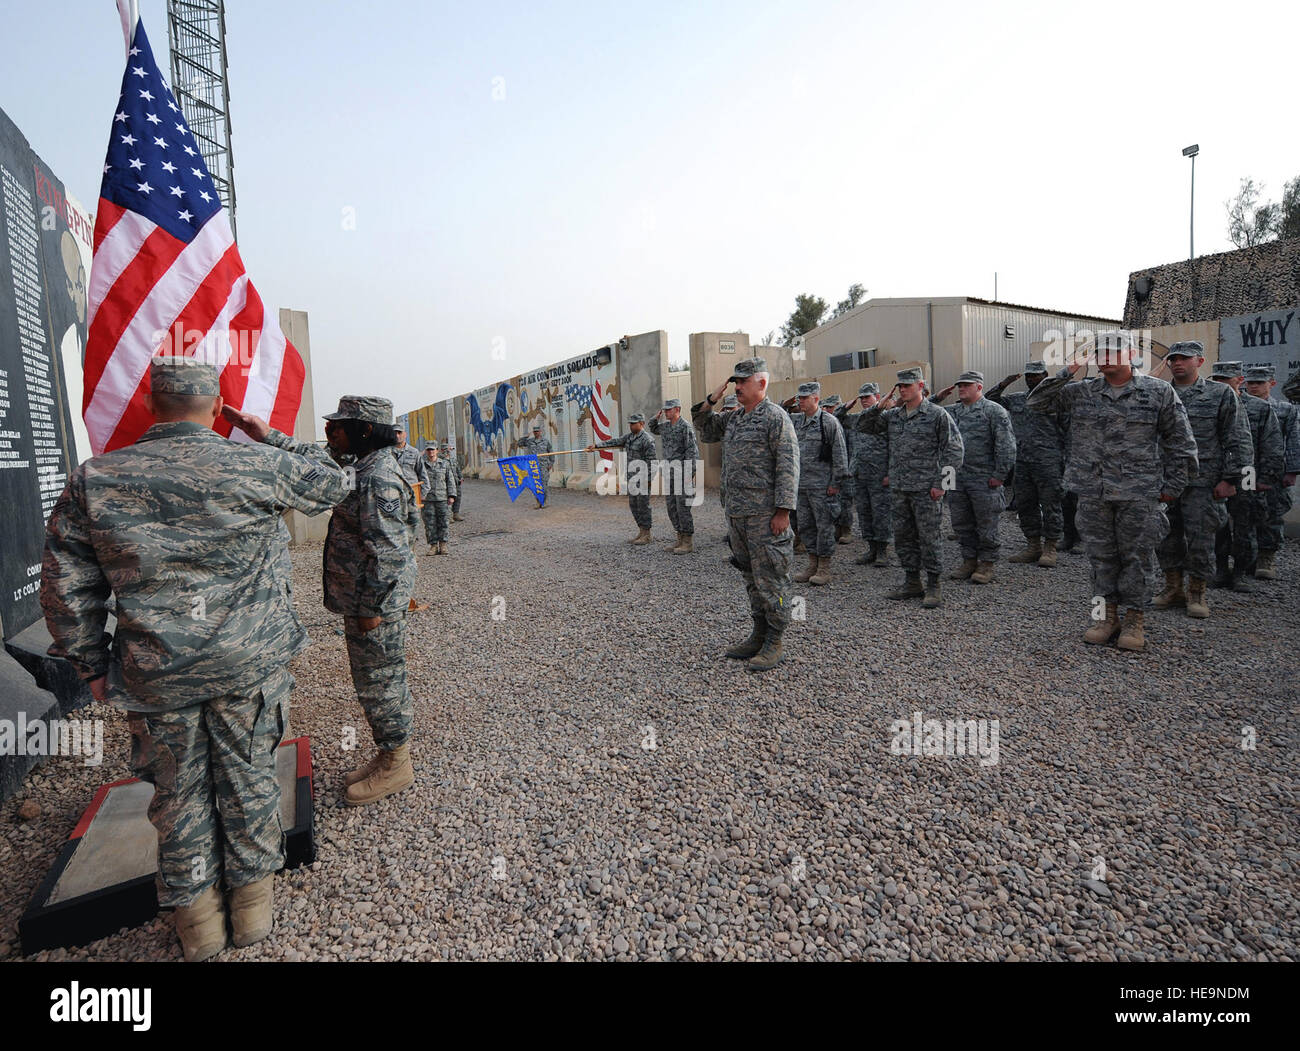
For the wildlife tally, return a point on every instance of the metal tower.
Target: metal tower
(196, 31)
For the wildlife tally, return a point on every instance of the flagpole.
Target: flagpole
(129, 12)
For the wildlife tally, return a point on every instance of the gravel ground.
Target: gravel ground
(596, 781)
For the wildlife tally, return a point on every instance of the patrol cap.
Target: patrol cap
(537, 426)
(364, 408)
(1035, 368)
(730, 402)
(912, 375)
(747, 367)
(809, 388)
(1227, 369)
(1187, 348)
(1117, 340)
(1258, 374)
(971, 376)
(176, 374)
(830, 401)
(636, 417)
(868, 388)
(672, 403)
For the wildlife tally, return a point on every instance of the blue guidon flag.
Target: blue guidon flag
(520, 473)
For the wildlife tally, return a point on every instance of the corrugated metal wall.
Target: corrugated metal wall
(989, 351)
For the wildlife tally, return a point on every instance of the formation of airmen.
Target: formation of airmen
(181, 536)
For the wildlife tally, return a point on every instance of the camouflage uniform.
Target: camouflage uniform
(680, 447)
(1248, 508)
(729, 405)
(440, 489)
(639, 447)
(183, 530)
(869, 462)
(369, 571)
(445, 453)
(762, 477)
(922, 443)
(1222, 451)
(411, 464)
(533, 445)
(1279, 499)
(1040, 460)
(989, 452)
(818, 511)
(1121, 519)
(848, 484)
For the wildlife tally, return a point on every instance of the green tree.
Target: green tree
(806, 316)
(1290, 223)
(1250, 221)
(855, 297)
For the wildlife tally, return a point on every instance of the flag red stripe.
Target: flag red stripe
(129, 291)
(107, 217)
(288, 395)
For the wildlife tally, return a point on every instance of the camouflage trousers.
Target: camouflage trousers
(765, 562)
(679, 514)
(1039, 493)
(1121, 537)
(848, 497)
(216, 802)
(546, 487)
(975, 508)
(640, 506)
(1271, 531)
(818, 514)
(378, 662)
(1195, 519)
(875, 520)
(1246, 511)
(436, 515)
(917, 519)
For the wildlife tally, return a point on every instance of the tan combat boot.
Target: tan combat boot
(1102, 631)
(1173, 592)
(983, 573)
(1197, 604)
(823, 574)
(250, 911)
(686, 546)
(361, 772)
(1131, 637)
(442, 547)
(911, 587)
(868, 557)
(842, 535)
(456, 517)
(807, 574)
(933, 595)
(392, 773)
(1266, 567)
(1032, 553)
(642, 538)
(201, 926)
(433, 549)
(770, 655)
(745, 650)
(1048, 558)
(964, 571)
(882, 556)
(676, 543)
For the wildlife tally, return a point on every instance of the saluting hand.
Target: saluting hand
(254, 426)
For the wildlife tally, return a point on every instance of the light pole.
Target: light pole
(1191, 152)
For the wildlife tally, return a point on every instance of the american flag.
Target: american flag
(166, 275)
(600, 427)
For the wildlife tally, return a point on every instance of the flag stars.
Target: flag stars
(172, 106)
(186, 215)
(146, 96)
(145, 188)
(129, 139)
(106, 167)
(133, 52)
(189, 152)
(160, 143)
(207, 197)
(197, 174)
(152, 118)
(120, 118)
(180, 128)
(137, 164)
(168, 167)
(139, 71)
(176, 191)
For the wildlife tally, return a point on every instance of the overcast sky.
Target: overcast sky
(686, 166)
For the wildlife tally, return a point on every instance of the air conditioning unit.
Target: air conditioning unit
(854, 359)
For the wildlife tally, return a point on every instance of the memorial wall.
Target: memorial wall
(44, 266)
